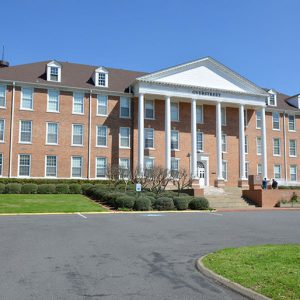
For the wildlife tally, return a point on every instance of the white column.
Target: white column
(242, 143)
(219, 141)
(141, 135)
(168, 133)
(194, 139)
(264, 144)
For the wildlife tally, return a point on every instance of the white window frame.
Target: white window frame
(153, 103)
(259, 165)
(81, 157)
(275, 99)
(294, 121)
(274, 147)
(202, 134)
(293, 155)
(82, 126)
(178, 138)
(224, 143)
(127, 159)
(153, 144)
(275, 113)
(25, 176)
(224, 118)
(246, 144)
(22, 94)
(53, 64)
(1, 165)
(149, 158)
(20, 127)
(4, 91)
(47, 132)
(247, 169)
(46, 165)
(258, 119)
(201, 121)
(106, 136)
(106, 107)
(129, 107)
(96, 169)
(296, 172)
(226, 170)
(3, 140)
(276, 165)
(178, 166)
(173, 103)
(120, 138)
(58, 101)
(74, 99)
(258, 145)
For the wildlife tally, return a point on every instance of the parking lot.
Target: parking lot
(127, 256)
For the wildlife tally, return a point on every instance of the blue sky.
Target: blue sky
(260, 39)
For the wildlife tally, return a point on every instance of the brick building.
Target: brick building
(65, 120)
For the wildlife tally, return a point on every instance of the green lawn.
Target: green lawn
(271, 270)
(47, 203)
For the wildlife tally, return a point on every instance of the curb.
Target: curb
(228, 283)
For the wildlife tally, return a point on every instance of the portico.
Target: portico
(203, 82)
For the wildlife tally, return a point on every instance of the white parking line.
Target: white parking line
(212, 213)
(79, 214)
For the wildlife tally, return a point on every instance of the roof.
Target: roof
(73, 75)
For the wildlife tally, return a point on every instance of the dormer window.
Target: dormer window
(54, 71)
(101, 77)
(272, 99)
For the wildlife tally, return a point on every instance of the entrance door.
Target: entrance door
(201, 173)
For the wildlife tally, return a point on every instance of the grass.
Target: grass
(47, 204)
(271, 270)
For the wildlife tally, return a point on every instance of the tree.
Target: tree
(181, 179)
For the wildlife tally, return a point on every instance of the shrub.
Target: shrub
(13, 188)
(124, 202)
(75, 188)
(62, 188)
(110, 197)
(168, 194)
(294, 197)
(29, 188)
(46, 189)
(85, 187)
(164, 203)
(2, 188)
(199, 203)
(142, 204)
(182, 203)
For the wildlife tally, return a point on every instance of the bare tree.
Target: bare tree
(113, 174)
(181, 179)
(125, 176)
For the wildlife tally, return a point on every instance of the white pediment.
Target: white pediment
(204, 73)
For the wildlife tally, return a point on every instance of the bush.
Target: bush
(142, 204)
(46, 189)
(85, 187)
(164, 203)
(182, 203)
(2, 188)
(199, 204)
(168, 194)
(294, 197)
(62, 188)
(29, 188)
(124, 202)
(110, 197)
(13, 188)
(75, 188)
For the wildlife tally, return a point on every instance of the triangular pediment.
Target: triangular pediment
(204, 73)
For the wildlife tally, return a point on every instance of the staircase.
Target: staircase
(226, 198)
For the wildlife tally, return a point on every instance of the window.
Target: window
(259, 169)
(246, 144)
(258, 145)
(223, 116)
(174, 111)
(24, 165)
(78, 103)
(174, 140)
(276, 124)
(276, 147)
(101, 167)
(199, 141)
(77, 166)
(53, 101)
(124, 165)
(292, 125)
(25, 131)
(125, 107)
(174, 167)
(258, 119)
(245, 118)
(102, 79)
(54, 73)
(149, 138)
(1, 164)
(27, 99)
(51, 166)
(246, 169)
(224, 142)
(293, 173)
(2, 131)
(2, 96)
(277, 171)
(77, 135)
(102, 105)
(293, 147)
(101, 136)
(149, 109)
(224, 169)
(124, 137)
(52, 133)
(148, 163)
(272, 100)
(199, 114)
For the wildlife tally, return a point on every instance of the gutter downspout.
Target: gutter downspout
(89, 134)
(284, 137)
(11, 129)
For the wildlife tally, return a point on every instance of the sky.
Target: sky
(259, 39)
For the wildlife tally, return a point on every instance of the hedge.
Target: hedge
(75, 188)
(124, 202)
(164, 203)
(62, 188)
(182, 203)
(13, 188)
(199, 203)
(2, 188)
(142, 204)
(46, 189)
(29, 188)
(289, 187)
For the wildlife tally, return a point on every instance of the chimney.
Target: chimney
(4, 64)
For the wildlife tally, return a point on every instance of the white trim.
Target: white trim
(48, 98)
(57, 126)
(54, 64)
(200, 132)
(153, 101)
(77, 145)
(129, 102)
(73, 156)
(3, 141)
(272, 92)
(5, 90)
(20, 125)
(292, 115)
(21, 98)
(274, 170)
(276, 129)
(129, 137)
(106, 99)
(290, 148)
(153, 147)
(83, 98)
(258, 137)
(24, 176)
(106, 136)
(279, 147)
(293, 165)
(56, 166)
(98, 71)
(105, 177)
